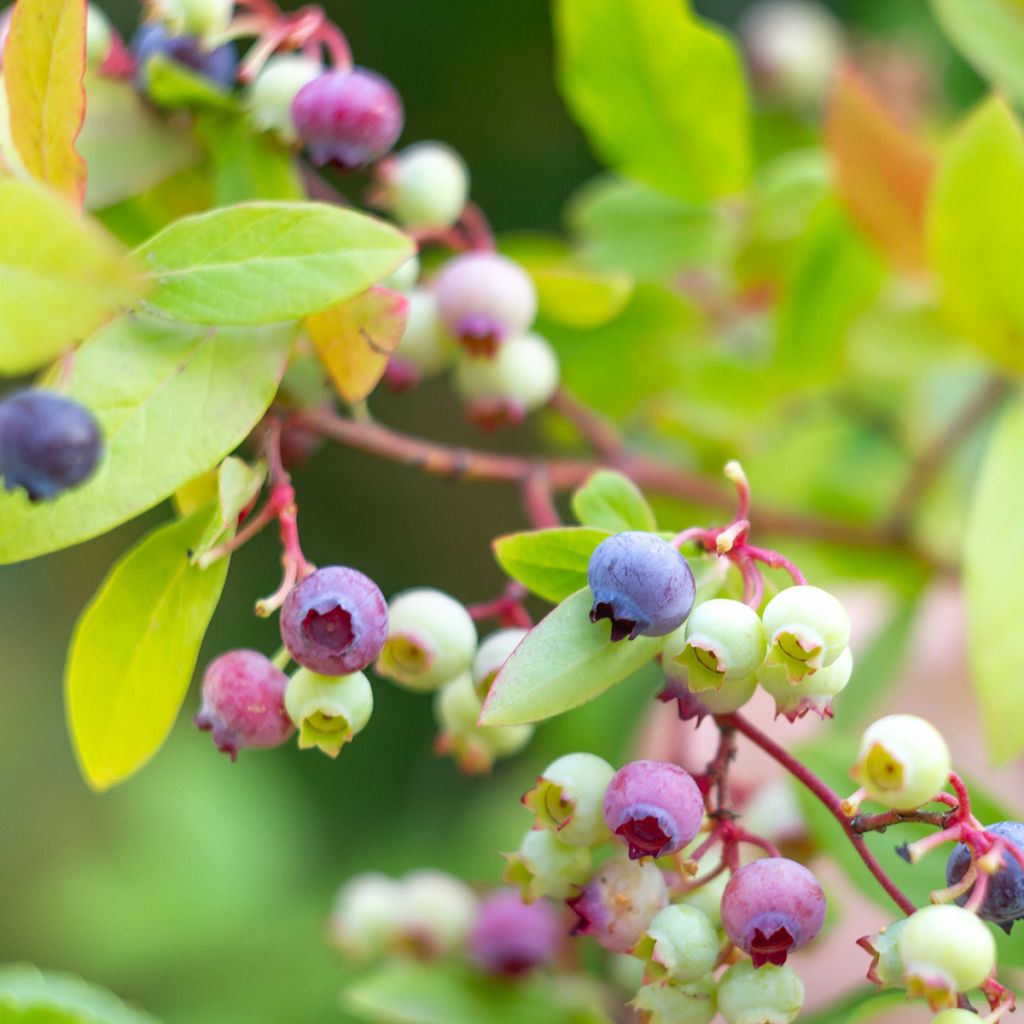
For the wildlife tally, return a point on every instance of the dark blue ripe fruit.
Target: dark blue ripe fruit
(1004, 900)
(220, 66)
(48, 443)
(641, 583)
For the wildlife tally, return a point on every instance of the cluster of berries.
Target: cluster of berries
(335, 624)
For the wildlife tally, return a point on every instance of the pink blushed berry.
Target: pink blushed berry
(654, 807)
(511, 938)
(243, 703)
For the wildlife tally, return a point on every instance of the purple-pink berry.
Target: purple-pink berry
(655, 808)
(335, 621)
(243, 703)
(510, 937)
(349, 118)
(771, 907)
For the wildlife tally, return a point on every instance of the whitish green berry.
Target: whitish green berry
(426, 186)
(424, 347)
(708, 898)
(405, 277)
(807, 630)
(271, 95)
(731, 697)
(761, 995)
(722, 640)
(887, 967)
(364, 922)
(328, 710)
(198, 17)
(494, 651)
(437, 913)
(813, 693)
(903, 762)
(692, 1003)
(956, 1017)
(431, 639)
(98, 36)
(945, 950)
(680, 944)
(568, 799)
(543, 866)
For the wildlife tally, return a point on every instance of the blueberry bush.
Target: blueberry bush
(775, 354)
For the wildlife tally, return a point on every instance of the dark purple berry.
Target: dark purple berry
(510, 937)
(349, 118)
(1004, 899)
(243, 703)
(335, 621)
(655, 808)
(220, 66)
(641, 584)
(48, 443)
(771, 907)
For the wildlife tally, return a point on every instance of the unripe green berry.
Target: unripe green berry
(437, 913)
(198, 17)
(99, 35)
(807, 630)
(955, 1017)
(405, 277)
(813, 693)
(568, 799)
(903, 762)
(734, 693)
(426, 186)
(328, 710)
(762, 995)
(425, 346)
(544, 866)
(365, 920)
(494, 651)
(506, 740)
(721, 641)
(680, 944)
(945, 950)
(887, 967)
(270, 97)
(692, 1003)
(431, 640)
(708, 897)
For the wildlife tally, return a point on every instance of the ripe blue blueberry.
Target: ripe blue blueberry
(1004, 898)
(642, 584)
(771, 907)
(335, 621)
(243, 703)
(511, 938)
(220, 66)
(654, 807)
(48, 443)
(349, 118)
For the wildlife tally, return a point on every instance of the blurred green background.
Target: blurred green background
(200, 888)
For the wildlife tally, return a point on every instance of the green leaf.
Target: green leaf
(611, 501)
(61, 276)
(660, 94)
(172, 401)
(571, 295)
(990, 34)
(564, 661)
(263, 262)
(238, 485)
(994, 586)
(550, 563)
(135, 648)
(32, 996)
(976, 232)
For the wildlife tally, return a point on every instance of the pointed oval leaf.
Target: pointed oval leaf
(265, 262)
(564, 661)
(236, 486)
(172, 401)
(135, 648)
(53, 997)
(611, 501)
(550, 563)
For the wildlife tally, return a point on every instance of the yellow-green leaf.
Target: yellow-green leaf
(976, 232)
(237, 486)
(356, 338)
(44, 67)
(550, 563)
(134, 651)
(61, 276)
(611, 501)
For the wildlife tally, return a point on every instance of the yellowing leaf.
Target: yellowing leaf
(61, 276)
(44, 68)
(883, 173)
(356, 338)
(134, 651)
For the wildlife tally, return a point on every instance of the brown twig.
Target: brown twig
(880, 822)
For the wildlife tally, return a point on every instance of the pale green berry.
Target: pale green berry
(437, 913)
(708, 898)
(98, 36)
(328, 710)
(734, 693)
(270, 96)
(431, 639)
(568, 799)
(626, 971)
(405, 277)
(807, 630)
(692, 1003)
(544, 866)
(680, 944)
(887, 967)
(425, 344)
(903, 762)
(813, 693)
(426, 186)
(198, 17)
(761, 995)
(364, 922)
(494, 651)
(722, 640)
(506, 740)
(945, 950)
(956, 1017)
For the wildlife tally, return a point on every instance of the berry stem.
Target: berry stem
(539, 501)
(828, 797)
(880, 822)
(594, 428)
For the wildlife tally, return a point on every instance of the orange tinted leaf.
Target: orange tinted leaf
(883, 173)
(355, 339)
(44, 67)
